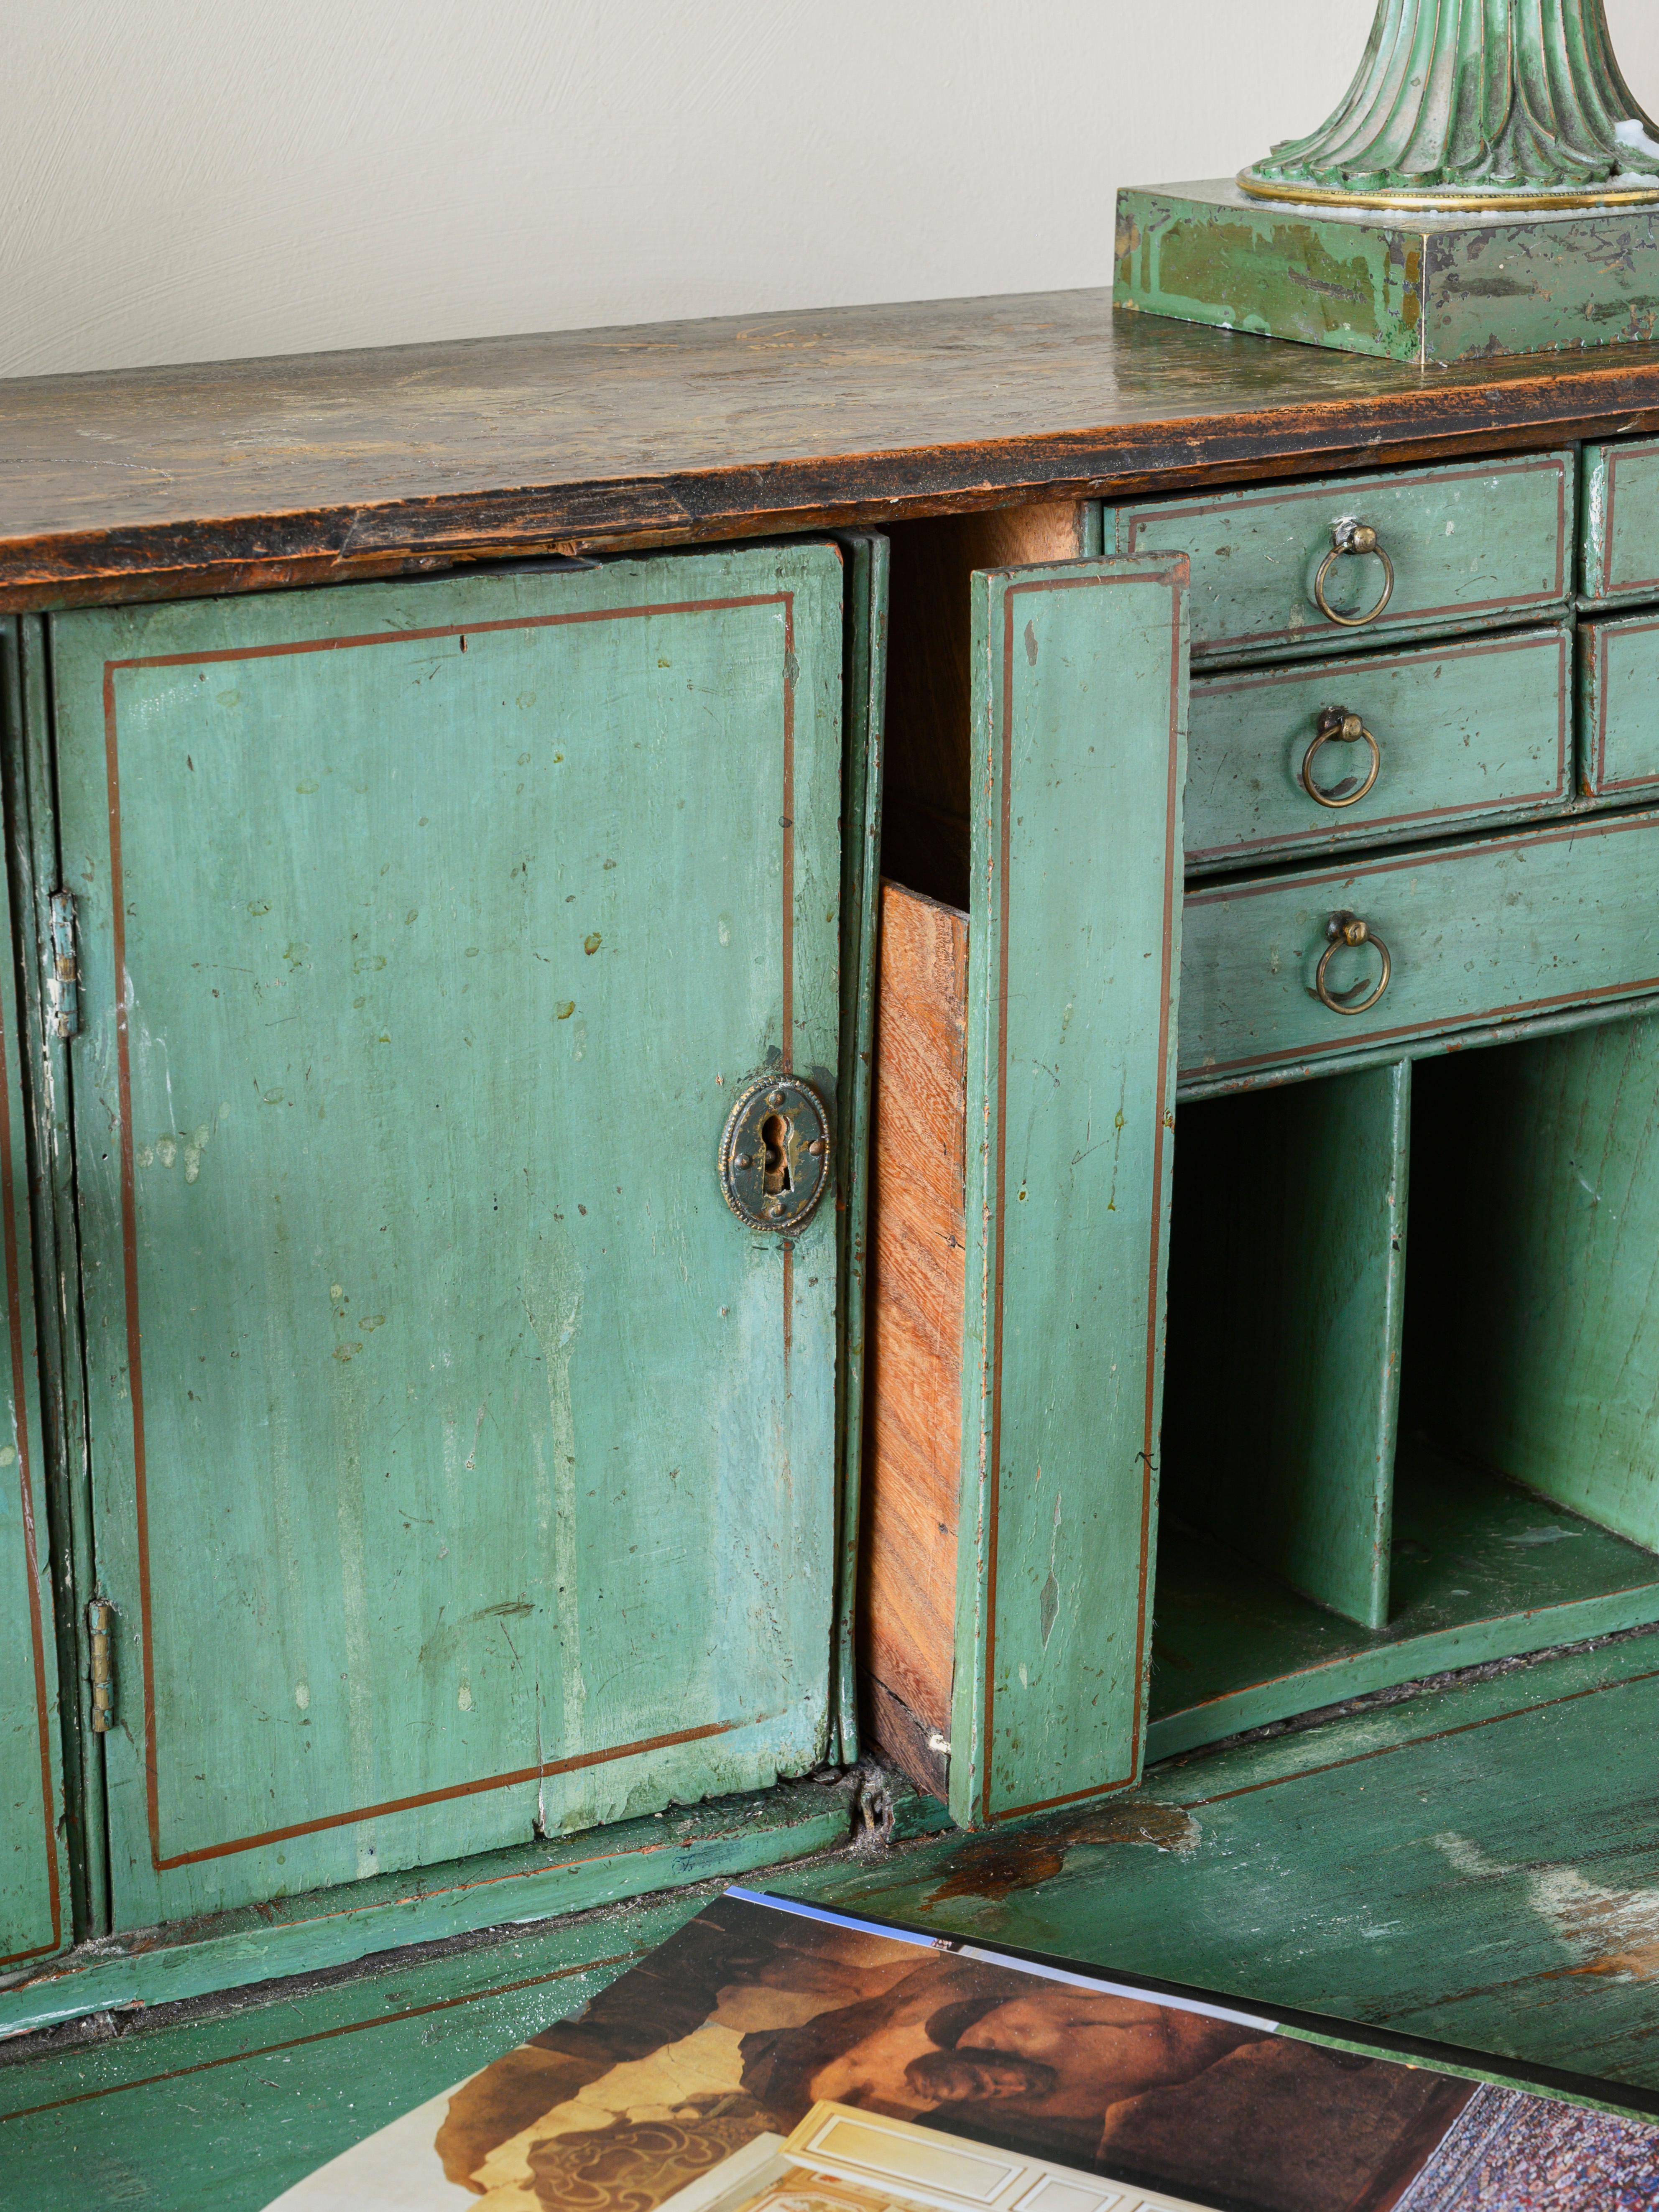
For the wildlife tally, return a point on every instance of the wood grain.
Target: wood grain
(242, 475)
(913, 1422)
(929, 681)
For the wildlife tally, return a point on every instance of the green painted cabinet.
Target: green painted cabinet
(1450, 738)
(464, 1466)
(1280, 571)
(1619, 536)
(34, 1891)
(1618, 731)
(1080, 712)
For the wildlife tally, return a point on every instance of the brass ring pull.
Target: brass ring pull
(1337, 725)
(1349, 540)
(1348, 929)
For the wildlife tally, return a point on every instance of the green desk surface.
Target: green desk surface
(1477, 1864)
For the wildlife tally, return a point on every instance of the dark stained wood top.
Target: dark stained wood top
(151, 482)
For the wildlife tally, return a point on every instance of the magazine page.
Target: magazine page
(774, 2054)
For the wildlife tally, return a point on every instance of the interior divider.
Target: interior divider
(1534, 1346)
(1287, 1307)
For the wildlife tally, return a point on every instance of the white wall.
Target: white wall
(187, 179)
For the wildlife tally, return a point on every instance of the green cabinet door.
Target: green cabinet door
(34, 1904)
(1079, 703)
(463, 1464)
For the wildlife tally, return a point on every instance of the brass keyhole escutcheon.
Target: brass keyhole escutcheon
(1338, 726)
(774, 1153)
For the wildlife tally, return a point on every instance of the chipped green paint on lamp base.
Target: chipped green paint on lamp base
(1411, 287)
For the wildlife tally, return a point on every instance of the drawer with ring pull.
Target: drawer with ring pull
(1377, 747)
(1303, 568)
(1295, 970)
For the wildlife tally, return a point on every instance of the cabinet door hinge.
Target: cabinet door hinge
(100, 1620)
(64, 984)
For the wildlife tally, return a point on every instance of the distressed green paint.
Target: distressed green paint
(1078, 718)
(1482, 97)
(326, 1929)
(221, 2115)
(479, 1440)
(1618, 745)
(1424, 289)
(1470, 734)
(1620, 520)
(865, 695)
(1469, 544)
(37, 872)
(1479, 933)
(1545, 1349)
(1476, 1864)
(1480, 1571)
(35, 1904)
(1463, 1864)
(1286, 1294)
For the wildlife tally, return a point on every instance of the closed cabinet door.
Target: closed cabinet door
(35, 1902)
(463, 1460)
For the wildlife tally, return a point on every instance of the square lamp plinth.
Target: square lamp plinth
(1405, 287)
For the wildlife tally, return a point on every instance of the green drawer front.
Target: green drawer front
(1466, 545)
(1465, 734)
(1618, 729)
(1621, 520)
(1493, 930)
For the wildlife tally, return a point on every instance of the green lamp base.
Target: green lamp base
(1394, 282)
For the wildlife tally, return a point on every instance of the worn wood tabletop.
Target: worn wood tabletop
(156, 481)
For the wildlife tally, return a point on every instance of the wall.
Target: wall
(185, 180)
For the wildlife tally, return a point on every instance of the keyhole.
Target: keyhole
(774, 1132)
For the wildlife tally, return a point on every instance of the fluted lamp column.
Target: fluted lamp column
(1476, 104)
(1488, 185)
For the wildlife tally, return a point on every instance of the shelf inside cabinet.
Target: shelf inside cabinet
(1481, 1570)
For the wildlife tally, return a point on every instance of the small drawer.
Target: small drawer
(1500, 929)
(1621, 550)
(1458, 734)
(1618, 686)
(1462, 545)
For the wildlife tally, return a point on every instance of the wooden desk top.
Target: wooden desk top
(156, 483)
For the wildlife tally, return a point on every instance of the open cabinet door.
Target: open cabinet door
(1079, 679)
(463, 1461)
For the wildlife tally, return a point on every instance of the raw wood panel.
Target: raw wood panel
(464, 1467)
(1539, 1332)
(1286, 1289)
(930, 686)
(239, 475)
(908, 1596)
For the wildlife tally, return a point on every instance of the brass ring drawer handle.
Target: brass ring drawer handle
(1348, 929)
(1350, 540)
(1337, 725)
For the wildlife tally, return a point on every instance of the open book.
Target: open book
(775, 2058)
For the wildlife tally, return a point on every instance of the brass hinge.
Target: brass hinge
(64, 984)
(101, 1620)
